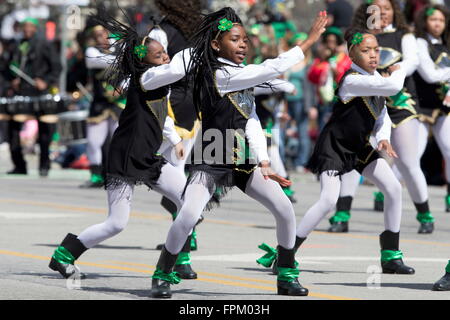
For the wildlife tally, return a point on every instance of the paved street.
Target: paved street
(36, 213)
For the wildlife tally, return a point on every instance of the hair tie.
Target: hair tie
(141, 50)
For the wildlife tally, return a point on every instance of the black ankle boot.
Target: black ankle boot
(183, 264)
(163, 276)
(426, 228)
(378, 204)
(287, 280)
(391, 256)
(63, 259)
(96, 180)
(338, 227)
(298, 243)
(443, 284)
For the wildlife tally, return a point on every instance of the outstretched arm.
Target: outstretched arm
(166, 74)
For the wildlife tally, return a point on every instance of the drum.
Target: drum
(72, 127)
(19, 105)
(4, 102)
(50, 104)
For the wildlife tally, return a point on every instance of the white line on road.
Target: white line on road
(251, 257)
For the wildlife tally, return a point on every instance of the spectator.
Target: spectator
(300, 103)
(326, 71)
(340, 13)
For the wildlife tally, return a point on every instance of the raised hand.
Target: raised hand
(316, 30)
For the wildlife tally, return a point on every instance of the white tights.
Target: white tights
(380, 174)
(170, 184)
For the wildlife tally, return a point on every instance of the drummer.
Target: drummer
(39, 69)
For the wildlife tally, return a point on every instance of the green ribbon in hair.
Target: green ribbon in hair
(225, 25)
(430, 12)
(141, 51)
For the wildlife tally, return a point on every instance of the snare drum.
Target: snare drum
(72, 127)
(50, 104)
(21, 105)
(3, 108)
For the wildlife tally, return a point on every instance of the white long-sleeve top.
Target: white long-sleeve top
(230, 78)
(277, 85)
(95, 59)
(169, 131)
(427, 68)
(410, 60)
(368, 85)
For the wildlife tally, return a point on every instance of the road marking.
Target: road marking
(147, 271)
(27, 215)
(156, 216)
(144, 215)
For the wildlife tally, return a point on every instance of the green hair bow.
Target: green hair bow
(225, 25)
(140, 51)
(369, 2)
(430, 12)
(357, 38)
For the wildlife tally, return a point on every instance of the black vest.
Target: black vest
(227, 117)
(390, 53)
(357, 116)
(181, 99)
(431, 95)
(135, 143)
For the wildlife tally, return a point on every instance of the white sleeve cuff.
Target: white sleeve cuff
(170, 133)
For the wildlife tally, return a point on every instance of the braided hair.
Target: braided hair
(204, 60)
(127, 65)
(184, 14)
(421, 24)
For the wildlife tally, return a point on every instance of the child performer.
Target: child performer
(343, 145)
(223, 92)
(397, 44)
(133, 157)
(432, 80)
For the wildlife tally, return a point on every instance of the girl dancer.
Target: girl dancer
(174, 32)
(343, 145)
(432, 80)
(397, 44)
(223, 87)
(106, 107)
(133, 157)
